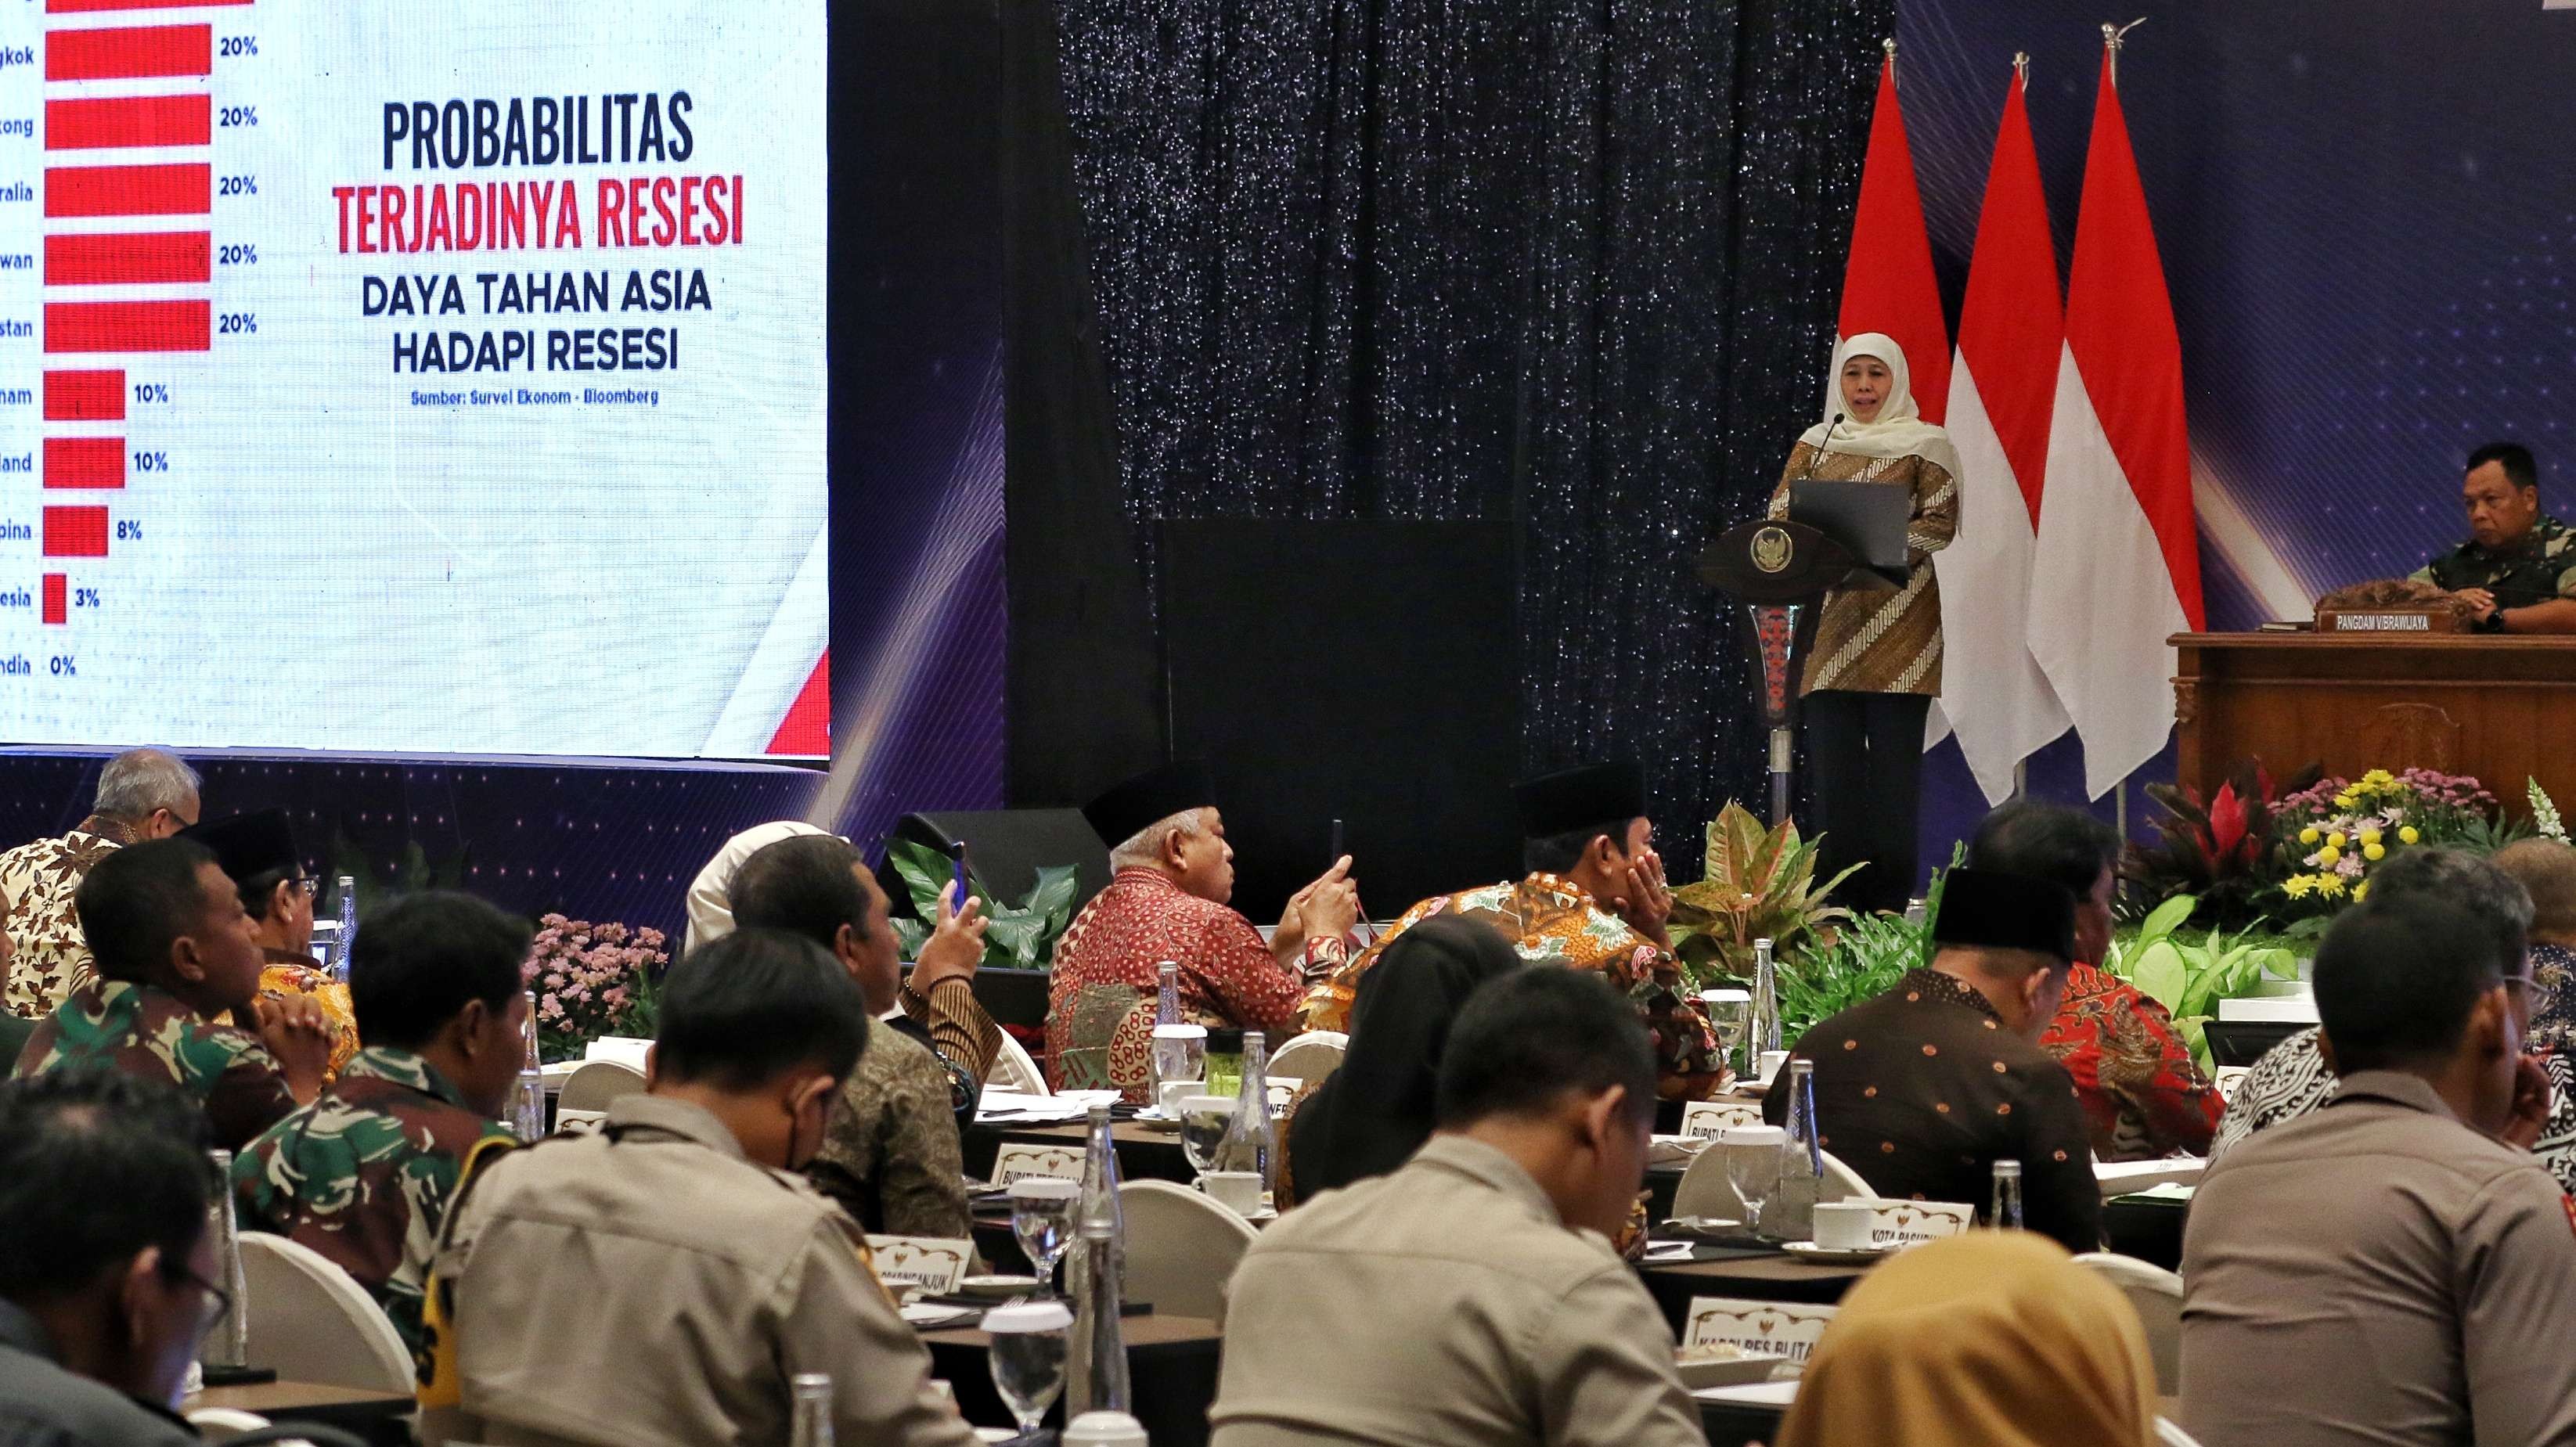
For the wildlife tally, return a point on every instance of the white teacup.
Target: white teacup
(1237, 1191)
(1173, 1092)
(1845, 1225)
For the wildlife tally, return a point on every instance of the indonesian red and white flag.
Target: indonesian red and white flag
(1888, 284)
(2011, 333)
(2118, 569)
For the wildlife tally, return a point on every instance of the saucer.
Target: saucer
(1841, 1256)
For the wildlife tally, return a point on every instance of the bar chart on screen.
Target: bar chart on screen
(144, 102)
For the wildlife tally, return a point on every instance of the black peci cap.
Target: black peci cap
(1157, 794)
(1984, 909)
(1561, 803)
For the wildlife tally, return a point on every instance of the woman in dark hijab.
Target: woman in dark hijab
(1369, 1116)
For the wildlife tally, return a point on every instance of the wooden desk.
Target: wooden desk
(2497, 707)
(378, 1417)
(1171, 1371)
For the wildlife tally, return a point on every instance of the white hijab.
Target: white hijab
(1899, 430)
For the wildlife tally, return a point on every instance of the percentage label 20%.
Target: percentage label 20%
(237, 116)
(239, 45)
(233, 324)
(237, 185)
(239, 253)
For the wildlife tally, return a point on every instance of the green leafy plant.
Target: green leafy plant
(1860, 960)
(1020, 936)
(1760, 884)
(2190, 979)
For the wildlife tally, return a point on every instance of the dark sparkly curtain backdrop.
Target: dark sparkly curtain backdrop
(1576, 264)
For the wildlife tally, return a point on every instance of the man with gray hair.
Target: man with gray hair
(1169, 901)
(142, 794)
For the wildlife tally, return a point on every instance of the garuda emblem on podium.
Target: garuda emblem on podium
(1771, 549)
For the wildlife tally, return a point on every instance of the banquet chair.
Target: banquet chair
(594, 1083)
(1310, 1057)
(248, 1429)
(2156, 1295)
(2170, 1434)
(315, 1322)
(1016, 1069)
(1182, 1248)
(2228, 1077)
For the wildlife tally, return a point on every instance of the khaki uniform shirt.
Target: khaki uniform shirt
(1447, 1303)
(2378, 1272)
(650, 1287)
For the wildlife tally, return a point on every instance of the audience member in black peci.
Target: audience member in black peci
(1923, 1089)
(106, 1265)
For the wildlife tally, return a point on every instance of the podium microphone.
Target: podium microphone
(1819, 454)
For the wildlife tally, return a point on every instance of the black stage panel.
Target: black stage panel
(1368, 671)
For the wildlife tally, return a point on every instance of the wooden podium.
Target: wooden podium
(2498, 707)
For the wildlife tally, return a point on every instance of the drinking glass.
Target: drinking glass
(1180, 1053)
(1042, 1219)
(1028, 1357)
(1753, 1166)
(1204, 1119)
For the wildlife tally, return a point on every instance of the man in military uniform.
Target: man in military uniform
(175, 949)
(2517, 572)
(363, 1175)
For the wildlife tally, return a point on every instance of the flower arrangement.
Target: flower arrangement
(592, 980)
(2220, 852)
(2329, 837)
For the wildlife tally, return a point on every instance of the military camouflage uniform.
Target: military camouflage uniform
(364, 1174)
(2540, 568)
(38, 880)
(148, 1032)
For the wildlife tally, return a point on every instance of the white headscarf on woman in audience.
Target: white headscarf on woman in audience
(710, 908)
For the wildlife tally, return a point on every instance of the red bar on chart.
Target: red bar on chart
(76, 532)
(143, 120)
(129, 326)
(58, 597)
(171, 190)
(84, 396)
(89, 7)
(130, 52)
(141, 258)
(84, 462)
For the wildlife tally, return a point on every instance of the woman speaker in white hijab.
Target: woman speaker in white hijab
(1875, 666)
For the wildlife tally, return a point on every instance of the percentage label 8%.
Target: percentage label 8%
(128, 530)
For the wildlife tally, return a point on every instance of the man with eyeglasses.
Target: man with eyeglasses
(106, 1282)
(2394, 1266)
(258, 852)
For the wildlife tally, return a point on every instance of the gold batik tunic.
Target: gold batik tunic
(1878, 641)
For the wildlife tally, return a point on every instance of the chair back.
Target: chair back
(1015, 1069)
(2156, 1294)
(1703, 1119)
(305, 1311)
(2231, 1076)
(1772, 1328)
(1310, 1057)
(223, 1424)
(1704, 1189)
(2170, 1435)
(1841, 1182)
(594, 1083)
(1182, 1248)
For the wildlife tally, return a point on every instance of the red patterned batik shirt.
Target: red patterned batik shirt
(1100, 1002)
(2142, 1093)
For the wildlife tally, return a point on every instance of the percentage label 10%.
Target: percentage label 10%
(151, 392)
(152, 462)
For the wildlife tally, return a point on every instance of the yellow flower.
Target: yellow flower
(2298, 886)
(2337, 839)
(2330, 885)
(2327, 857)
(2368, 836)
(2309, 835)
(2378, 779)
(2374, 852)
(2361, 891)
(2346, 799)
(2410, 835)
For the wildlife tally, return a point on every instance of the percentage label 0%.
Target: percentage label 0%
(237, 186)
(240, 45)
(233, 324)
(152, 462)
(151, 392)
(240, 253)
(238, 116)
(128, 531)
(84, 597)
(63, 667)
